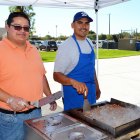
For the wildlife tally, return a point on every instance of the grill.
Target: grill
(114, 120)
(115, 117)
(60, 127)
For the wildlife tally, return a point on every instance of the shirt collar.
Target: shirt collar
(29, 46)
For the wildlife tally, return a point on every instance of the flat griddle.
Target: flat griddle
(129, 112)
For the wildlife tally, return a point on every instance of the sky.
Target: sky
(57, 21)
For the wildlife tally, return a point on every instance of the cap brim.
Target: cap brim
(89, 19)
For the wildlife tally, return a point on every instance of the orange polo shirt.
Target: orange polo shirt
(21, 72)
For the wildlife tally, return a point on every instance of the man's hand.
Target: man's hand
(98, 94)
(79, 86)
(53, 106)
(17, 103)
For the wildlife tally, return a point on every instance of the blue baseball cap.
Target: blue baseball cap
(80, 15)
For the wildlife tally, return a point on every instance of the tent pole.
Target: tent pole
(97, 51)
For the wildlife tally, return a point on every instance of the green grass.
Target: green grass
(103, 54)
(113, 53)
(48, 56)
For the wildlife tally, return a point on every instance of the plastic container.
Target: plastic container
(137, 46)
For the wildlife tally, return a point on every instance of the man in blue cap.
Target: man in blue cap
(75, 65)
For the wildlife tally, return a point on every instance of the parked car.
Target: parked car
(35, 43)
(100, 43)
(48, 45)
(39, 42)
(59, 42)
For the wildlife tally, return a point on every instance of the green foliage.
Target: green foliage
(91, 32)
(47, 37)
(62, 37)
(102, 37)
(125, 35)
(92, 35)
(109, 37)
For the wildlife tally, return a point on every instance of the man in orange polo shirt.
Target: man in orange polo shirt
(22, 78)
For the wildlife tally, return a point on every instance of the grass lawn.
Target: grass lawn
(48, 56)
(102, 54)
(113, 53)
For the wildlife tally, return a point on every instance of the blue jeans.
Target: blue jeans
(12, 126)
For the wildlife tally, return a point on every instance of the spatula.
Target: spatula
(86, 105)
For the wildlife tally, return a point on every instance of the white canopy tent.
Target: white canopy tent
(81, 4)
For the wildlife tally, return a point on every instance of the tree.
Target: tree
(91, 35)
(47, 37)
(62, 37)
(29, 11)
(102, 37)
(109, 37)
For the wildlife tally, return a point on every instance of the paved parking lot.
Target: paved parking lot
(119, 78)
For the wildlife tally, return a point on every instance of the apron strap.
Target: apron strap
(73, 36)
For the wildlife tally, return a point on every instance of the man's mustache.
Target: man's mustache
(83, 29)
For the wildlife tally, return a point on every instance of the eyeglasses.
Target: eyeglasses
(18, 28)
